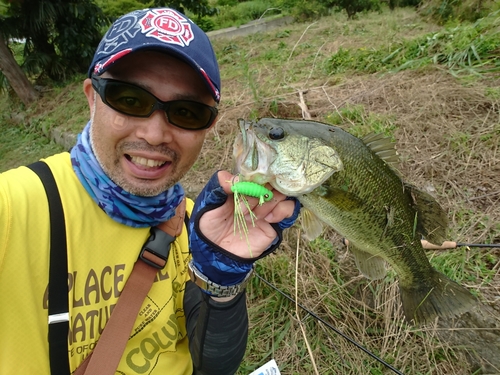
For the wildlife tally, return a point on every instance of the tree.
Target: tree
(61, 35)
(116, 8)
(355, 6)
(14, 74)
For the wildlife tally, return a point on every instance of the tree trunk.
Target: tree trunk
(16, 77)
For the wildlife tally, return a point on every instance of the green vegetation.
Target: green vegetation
(61, 36)
(359, 123)
(22, 146)
(433, 88)
(443, 11)
(230, 14)
(461, 48)
(116, 8)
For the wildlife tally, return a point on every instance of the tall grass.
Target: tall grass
(448, 136)
(462, 49)
(233, 13)
(360, 323)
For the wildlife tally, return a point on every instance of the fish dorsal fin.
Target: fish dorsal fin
(371, 266)
(383, 147)
(311, 224)
(432, 220)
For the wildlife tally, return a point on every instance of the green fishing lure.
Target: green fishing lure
(242, 189)
(252, 189)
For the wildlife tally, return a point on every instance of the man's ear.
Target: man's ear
(90, 93)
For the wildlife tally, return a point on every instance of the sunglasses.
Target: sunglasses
(132, 100)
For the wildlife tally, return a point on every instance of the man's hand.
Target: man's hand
(223, 255)
(218, 225)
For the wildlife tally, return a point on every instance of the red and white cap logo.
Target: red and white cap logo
(168, 26)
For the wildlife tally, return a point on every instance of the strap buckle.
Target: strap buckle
(156, 249)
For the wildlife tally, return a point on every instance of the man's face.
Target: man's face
(146, 156)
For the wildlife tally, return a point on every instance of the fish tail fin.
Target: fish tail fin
(441, 297)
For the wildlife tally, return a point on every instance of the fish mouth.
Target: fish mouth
(251, 156)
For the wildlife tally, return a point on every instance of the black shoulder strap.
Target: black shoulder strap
(58, 274)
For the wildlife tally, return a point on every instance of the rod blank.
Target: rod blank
(445, 245)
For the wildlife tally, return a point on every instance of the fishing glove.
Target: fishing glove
(217, 264)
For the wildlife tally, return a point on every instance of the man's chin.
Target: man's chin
(144, 188)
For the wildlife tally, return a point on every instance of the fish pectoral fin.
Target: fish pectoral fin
(432, 220)
(311, 224)
(371, 266)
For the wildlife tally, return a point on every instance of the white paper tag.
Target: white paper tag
(270, 368)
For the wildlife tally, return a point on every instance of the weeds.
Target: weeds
(239, 13)
(21, 146)
(464, 49)
(359, 123)
(447, 133)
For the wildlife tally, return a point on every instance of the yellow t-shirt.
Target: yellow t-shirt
(101, 254)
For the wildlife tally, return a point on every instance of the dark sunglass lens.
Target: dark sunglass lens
(189, 115)
(129, 99)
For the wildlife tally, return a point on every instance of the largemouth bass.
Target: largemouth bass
(351, 185)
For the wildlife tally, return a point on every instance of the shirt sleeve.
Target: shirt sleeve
(217, 331)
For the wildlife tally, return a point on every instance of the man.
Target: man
(153, 90)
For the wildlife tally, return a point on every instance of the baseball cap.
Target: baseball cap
(160, 29)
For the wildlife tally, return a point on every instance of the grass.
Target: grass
(359, 123)
(235, 13)
(61, 108)
(463, 50)
(447, 133)
(293, 56)
(21, 146)
(430, 114)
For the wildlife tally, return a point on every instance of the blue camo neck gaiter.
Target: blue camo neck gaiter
(121, 206)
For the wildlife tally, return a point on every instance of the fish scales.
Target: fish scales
(349, 185)
(364, 192)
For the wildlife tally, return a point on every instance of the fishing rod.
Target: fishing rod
(352, 341)
(454, 245)
(445, 245)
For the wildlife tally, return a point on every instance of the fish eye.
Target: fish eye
(276, 134)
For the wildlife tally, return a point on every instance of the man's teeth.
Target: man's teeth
(146, 162)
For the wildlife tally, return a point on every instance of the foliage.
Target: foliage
(307, 10)
(430, 109)
(199, 8)
(352, 7)
(61, 36)
(442, 11)
(113, 9)
(229, 15)
(22, 142)
(3, 8)
(23, 145)
(403, 3)
(361, 123)
(304, 10)
(463, 49)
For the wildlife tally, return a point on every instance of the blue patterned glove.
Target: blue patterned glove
(217, 264)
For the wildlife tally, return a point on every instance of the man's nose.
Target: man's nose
(156, 129)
